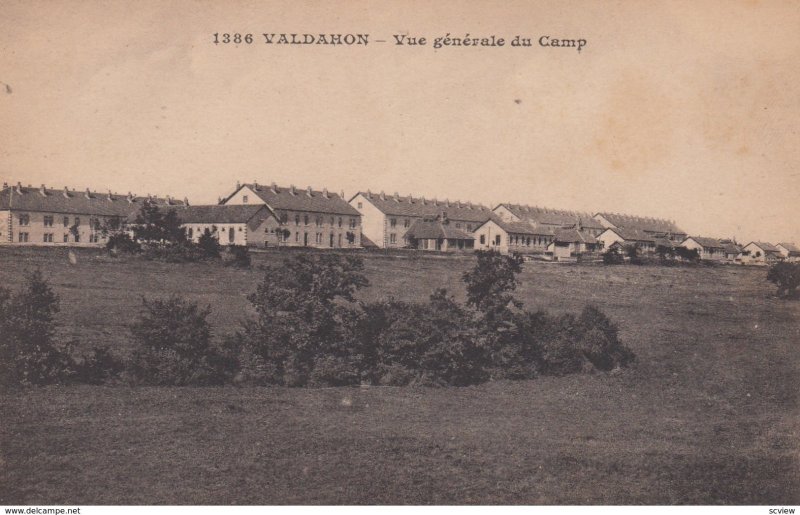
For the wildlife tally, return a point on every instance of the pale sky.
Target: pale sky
(687, 111)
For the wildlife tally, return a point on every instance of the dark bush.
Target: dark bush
(100, 366)
(309, 331)
(613, 256)
(208, 245)
(301, 308)
(239, 256)
(174, 346)
(29, 352)
(787, 277)
(122, 242)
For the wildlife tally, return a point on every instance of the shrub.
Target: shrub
(208, 245)
(122, 242)
(490, 283)
(240, 256)
(301, 308)
(613, 256)
(100, 366)
(174, 345)
(688, 255)
(29, 353)
(787, 277)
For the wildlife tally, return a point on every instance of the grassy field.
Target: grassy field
(707, 415)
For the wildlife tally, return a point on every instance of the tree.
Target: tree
(786, 276)
(685, 254)
(208, 244)
(612, 256)
(28, 350)
(173, 337)
(301, 307)
(153, 226)
(490, 283)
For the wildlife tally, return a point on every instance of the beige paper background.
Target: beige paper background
(684, 110)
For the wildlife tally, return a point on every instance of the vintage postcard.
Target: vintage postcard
(414, 252)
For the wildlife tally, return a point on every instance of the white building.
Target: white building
(254, 225)
(709, 249)
(789, 251)
(387, 218)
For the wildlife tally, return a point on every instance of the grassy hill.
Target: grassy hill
(708, 414)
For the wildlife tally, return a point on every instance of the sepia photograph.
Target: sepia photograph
(399, 253)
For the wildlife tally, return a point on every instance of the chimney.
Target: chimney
(325, 193)
(292, 190)
(422, 200)
(5, 185)
(19, 187)
(255, 185)
(110, 195)
(130, 197)
(383, 195)
(238, 185)
(369, 194)
(185, 201)
(219, 200)
(43, 191)
(396, 197)
(66, 192)
(341, 194)
(410, 199)
(168, 200)
(308, 192)
(88, 193)
(273, 188)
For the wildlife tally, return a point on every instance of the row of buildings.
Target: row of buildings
(263, 215)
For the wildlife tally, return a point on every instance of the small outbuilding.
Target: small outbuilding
(438, 235)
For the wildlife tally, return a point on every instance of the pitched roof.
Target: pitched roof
(75, 202)
(709, 243)
(793, 249)
(220, 214)
(731, 248)
(523, 227)
(629, 234)
(435, 229)
(573, 236)
(642, 223)
(419, 207)
(548, 216)
(295, 199)
(766, 247)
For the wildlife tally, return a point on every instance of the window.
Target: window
(483, 239)
(331, 244)
(353, 223)
(393, 222)
(458, 225)
(297, 237)
(305, 219)
(48, 221)
(24, 220)
(340, 240)
(23, 237)
(191, 232)
(318, 221)
(297, 219)
(66, 238)
(47, 237)
(469, 227)
(340, 221)
(497, 240)
(319, 238)
(284, 218)
(77, 237)
(77, 221)
(244, 199)
(406, 222)
(66, 221)
(360, 205)
(393, 238)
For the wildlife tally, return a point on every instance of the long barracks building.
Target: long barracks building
(51, 217)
